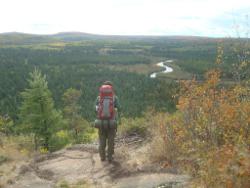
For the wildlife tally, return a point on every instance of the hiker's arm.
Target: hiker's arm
(117, 104)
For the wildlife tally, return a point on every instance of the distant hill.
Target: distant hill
(75, 36)
(15, 38)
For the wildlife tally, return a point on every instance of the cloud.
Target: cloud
(158, 17)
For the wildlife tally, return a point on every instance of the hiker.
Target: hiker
(107, 108)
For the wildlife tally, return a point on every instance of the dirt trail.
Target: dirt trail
(81, 162)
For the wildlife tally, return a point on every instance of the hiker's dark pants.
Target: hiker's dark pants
(106, 135)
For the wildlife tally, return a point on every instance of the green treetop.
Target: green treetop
(37, 112)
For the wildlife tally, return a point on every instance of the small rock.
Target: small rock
(10, 182)
(45, 174)
(24, 169)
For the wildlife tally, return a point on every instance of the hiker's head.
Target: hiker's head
(108, 83)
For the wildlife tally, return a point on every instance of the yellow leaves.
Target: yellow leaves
(62, 134)
(43, 150)
(243, 64)
(219, 55)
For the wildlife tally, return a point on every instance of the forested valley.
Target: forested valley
(49, 83)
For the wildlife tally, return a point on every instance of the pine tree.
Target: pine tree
(37, 112)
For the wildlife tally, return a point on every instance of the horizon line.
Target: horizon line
(113, 35)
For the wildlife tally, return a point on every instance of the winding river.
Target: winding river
(161, 64)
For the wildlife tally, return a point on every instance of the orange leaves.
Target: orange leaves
(209, 109)
(213, 77)
(215, 123)
(227, 166)
(182, 103)
(229, 112)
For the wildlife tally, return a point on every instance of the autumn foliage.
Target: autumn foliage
(209, 134)
(216, 130)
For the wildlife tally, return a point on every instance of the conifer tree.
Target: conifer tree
(37, 112)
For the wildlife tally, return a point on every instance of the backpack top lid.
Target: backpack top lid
(106, 90)
(107, 83)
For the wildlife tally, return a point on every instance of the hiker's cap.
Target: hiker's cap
(108, 83)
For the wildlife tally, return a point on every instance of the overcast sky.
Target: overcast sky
(126, 17)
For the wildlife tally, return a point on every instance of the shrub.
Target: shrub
(17, 147)
(165, 143)
(88, 136)
(65, 137)
(60, 140)
(133, 126)
(209, 135)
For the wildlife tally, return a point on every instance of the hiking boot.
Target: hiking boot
(110, 159)
(103, 159)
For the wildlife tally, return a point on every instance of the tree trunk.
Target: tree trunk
(36, 142)
(46, 142)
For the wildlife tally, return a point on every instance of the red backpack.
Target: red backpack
(106, 109)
